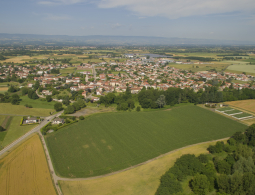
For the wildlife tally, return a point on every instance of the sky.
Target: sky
(199, 19)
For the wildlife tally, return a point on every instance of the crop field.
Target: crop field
(242, 115)
(8, 108)
(37, 103)
(247, 105)
(143, 179)
(109, 142)
(224, 109)
(67, 70)
(242, 68)
(3, 89)
(15, 131)
(25, 171)
(201, 67)
(232, 111)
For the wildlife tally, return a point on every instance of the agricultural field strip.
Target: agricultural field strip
(242, 109)
(242, 115)
(237, 114)
(24, 170)
(143, 163)
(94, 147)
(233, 112)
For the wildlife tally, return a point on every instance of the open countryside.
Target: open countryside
(242, 68)
(248, 105)
(7, 108)
(143, 179)
(24, 171)
(110, 142)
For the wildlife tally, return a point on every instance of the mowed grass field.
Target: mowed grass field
(109, 142)
(143, 179)
(8, 108)
(25, 171)
(242, 68)
(37, 103)
(15, 131)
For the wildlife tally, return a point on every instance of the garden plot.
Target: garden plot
(233, 112)
(237, 114)
(243, 116)
(224, 109)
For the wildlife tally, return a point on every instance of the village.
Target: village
(97, 79)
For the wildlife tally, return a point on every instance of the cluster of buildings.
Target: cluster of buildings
(135, 73)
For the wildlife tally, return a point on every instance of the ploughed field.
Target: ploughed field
(109, 142)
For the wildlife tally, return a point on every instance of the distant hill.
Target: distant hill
(31, 39)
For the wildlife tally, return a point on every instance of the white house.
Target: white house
(58, 121)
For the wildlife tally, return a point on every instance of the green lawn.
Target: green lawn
(242, 115)
(242, 68)
(37, 103)
(108, 142)
(224, 109)
(67, 70)
(15, 131)
(232, 111)
(2, 117)
(8, 108)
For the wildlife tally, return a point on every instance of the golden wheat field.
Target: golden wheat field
(3, 88)
(25, 171)
(246, 105)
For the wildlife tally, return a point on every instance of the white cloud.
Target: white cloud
(56, 17)
(116, 25)
(60, 2)
(180, 8)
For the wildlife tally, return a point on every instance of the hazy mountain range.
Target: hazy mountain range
(31, 39)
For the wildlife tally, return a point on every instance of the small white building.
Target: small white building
(30, 120)
(58, 121)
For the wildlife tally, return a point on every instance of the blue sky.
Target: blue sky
(207, 19)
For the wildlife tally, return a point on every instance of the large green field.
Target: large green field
(242, 68)
(8, 108)
(105, 143)
(37, 103)
(15, 131)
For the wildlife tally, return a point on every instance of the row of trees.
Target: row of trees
(229, 169)
(149, 98)
(13, 99)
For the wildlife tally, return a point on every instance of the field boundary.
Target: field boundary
(48, 159)
(132, 167)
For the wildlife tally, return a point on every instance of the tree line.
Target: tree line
(148, 97)
(229, 169)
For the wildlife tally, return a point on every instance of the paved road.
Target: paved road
(36, 129)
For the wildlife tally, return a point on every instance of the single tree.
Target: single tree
(48, 98)
(161, 101)
(58, 106)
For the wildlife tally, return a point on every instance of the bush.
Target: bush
(81, 118)
(138, 108)
(1, 129)
(28, 106)
(48, 98)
